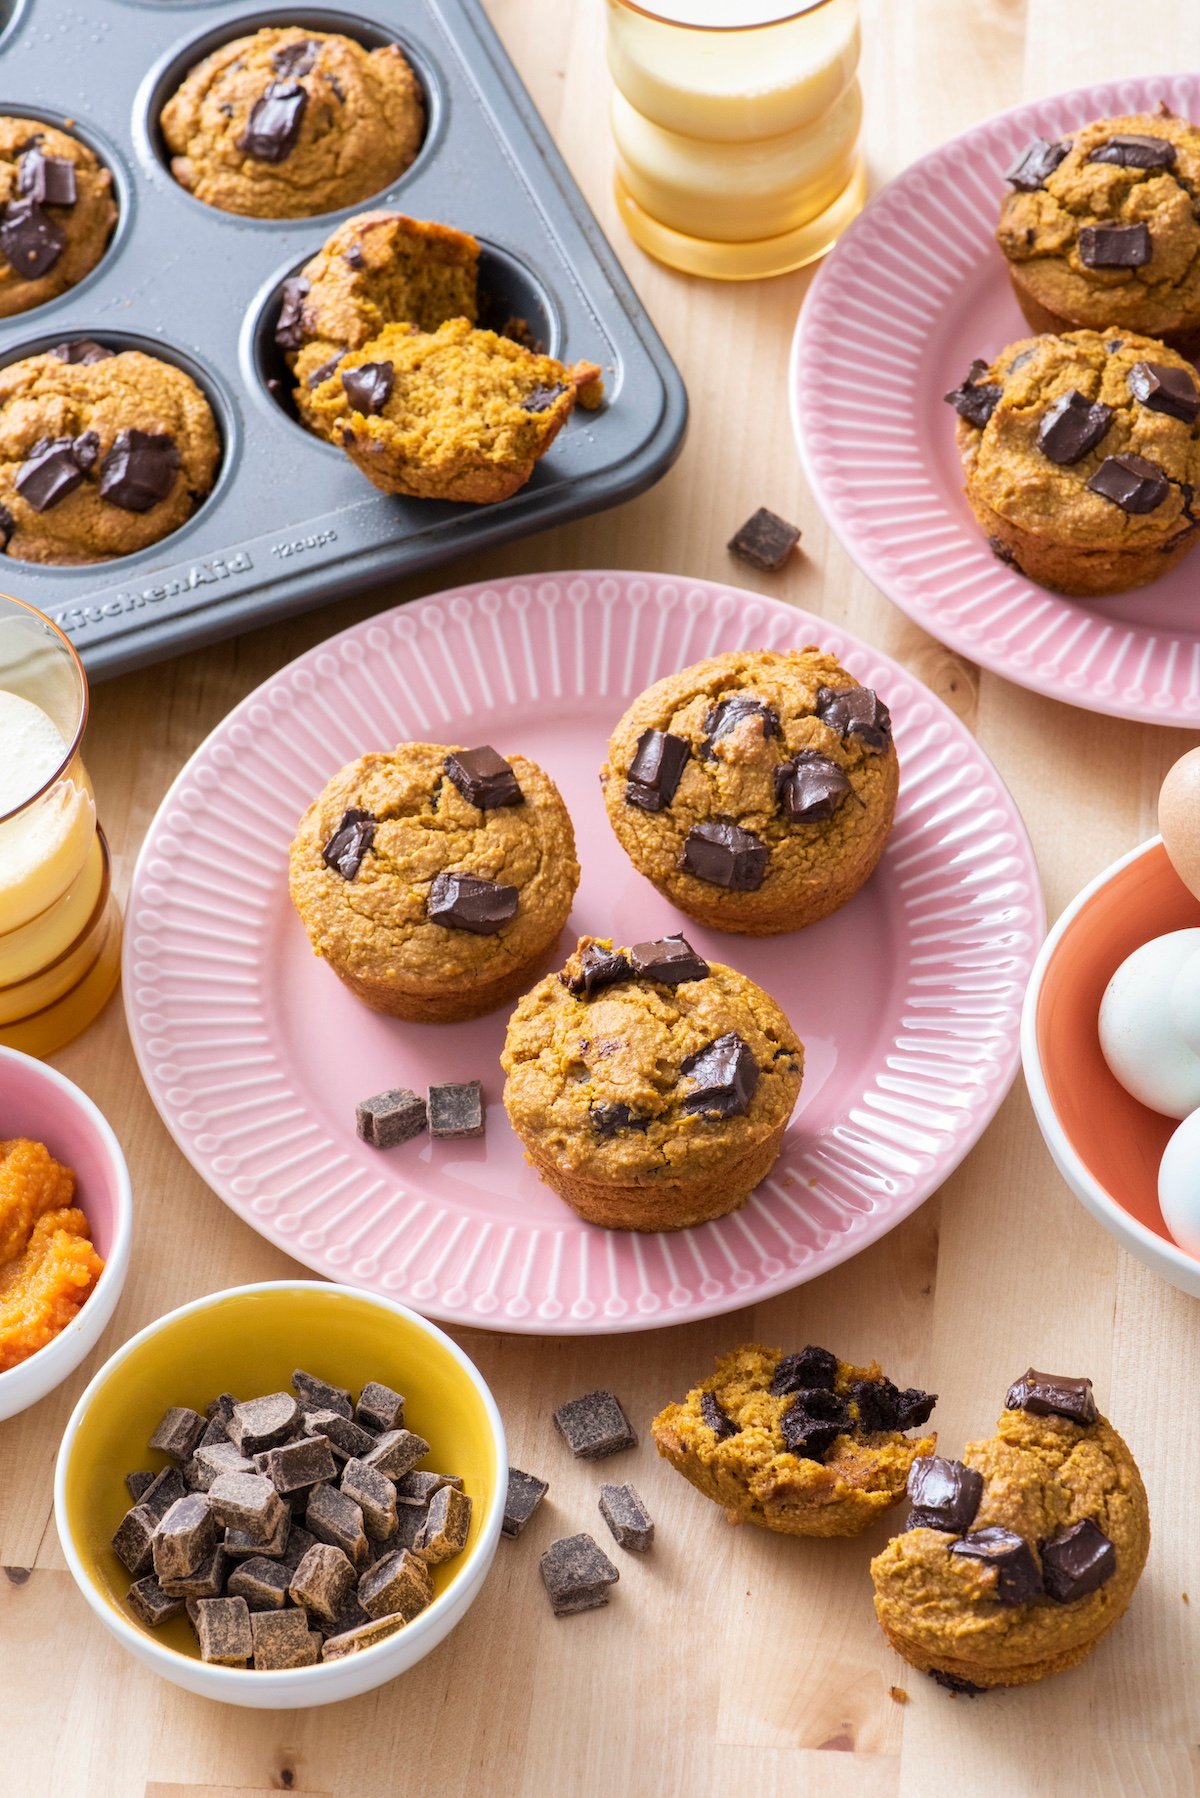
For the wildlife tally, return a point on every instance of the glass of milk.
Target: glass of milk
(60, 931)
(736, 125)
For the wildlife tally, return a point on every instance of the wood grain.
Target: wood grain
(728, 1661)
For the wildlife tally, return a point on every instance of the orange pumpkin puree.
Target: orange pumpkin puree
(47, 1263)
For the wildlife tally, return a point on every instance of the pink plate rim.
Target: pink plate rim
(960, 877)
(876, 307)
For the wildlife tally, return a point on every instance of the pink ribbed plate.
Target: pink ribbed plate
(914, 290)
(908, 1000)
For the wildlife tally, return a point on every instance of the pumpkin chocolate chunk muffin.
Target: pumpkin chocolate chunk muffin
(651, 1088)
(756, 790)
(56, 213)
(1101, 229)
(433, 879)
(1019, 1558)
(801, 1443)
(290, 122)
(1082, 457)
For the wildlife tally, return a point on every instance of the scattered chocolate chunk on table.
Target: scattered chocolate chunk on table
(594, 1426)
(765, 540)
(627, 1517)
(576, 1574)
(525, 1494)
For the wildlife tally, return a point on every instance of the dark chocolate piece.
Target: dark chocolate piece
(247, 1502)
(241, 1543)
(133, 1543)
(717, 1417)
(733, 710)
(418, 1487)
(49, 474)
(8, 525)
(542, 398)
(345, 1437)
(379, 1409)
(207, 1581)
(974, 398)
(446, 1528)
(765, 541)
(139, 470)
(150, 1604)
(211, 1460)
(1035, 162)
(594, 1426)
(259, 1423)
(1165, 389)
(882, 1406)
(161, 1494)
(1018, 1577)
(723, 854)
(318, 1395)
(274, 123)
(368, 386)
(349, 843)
(86, 447)
(30, 240)
(813, 1422)
(1131, 482)
(576, 1575)
(954, 1683)
(856, 712)
(297, 58)
(810, 788)
(185, 1537)
(944, 1494)
(656, 770)
(397, 1586)
(1115, 246)
(811, 1367)
(484, 778)
(1003, 552)
(325, 370)
(223, 1628)
(136, 1484)
(1071, 427)
(609, 1118)
(627, 1517)
(375, 1496)
(179, 1433)
(390, 1118)
(48, 180)
(283, 1639)
(670, 961)
(353, 1641)
(1076, 1561)
(289, 327)
(598, 968)
(262, 1583)
(465, 902)
(295, 1465)
(396, 1452)
(1130, 150)
(726, 1077)
(1060, 1395)
(525, 1494)
(456, 1109)
(334, 1518)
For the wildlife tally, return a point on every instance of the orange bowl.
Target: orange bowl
(1105, 1144)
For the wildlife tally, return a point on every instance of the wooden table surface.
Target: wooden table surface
(731, 1661)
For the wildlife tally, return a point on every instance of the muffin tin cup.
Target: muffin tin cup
(289, 520)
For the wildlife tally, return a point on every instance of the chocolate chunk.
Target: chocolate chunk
(1076, 1561)
(179, 1433)
(598, 968)
(139, 470)
(484, 778)
(1131, 482)
(954, 1683)
(810, 788)
(1018, 1577)
(418, 1487)
(282, 1639)
(627, 1517)
(812, 1367)
(48, 180)
(323, 1581)
(220, 1412)
(914, 1407)
(333, 1517)
(397, 1586)
(379, 1409)
(1003, 551)
(299, 1542)
(396, 1452)
(260, 1423)
(344, 1437)
(49, 474)
(974, 398)
(214, 1431)
(262, 1583)
(1165, 389)
(289, 327)
(353, 257)
(1115, 246)
(162, 1493)
(30, 240)
(223, 1627)
(136, 1484)
(274, 123)
(465, 902)
(1038, 160)
(213, 1459)
(8, 525)
(594, 1426)
(446, 1528)
(246, 1502)
(716, 1417)
(325, 370)
(610, 1118)
(368, 386)
(726, 1077)
(353, 1641)
(765, 541)
(856, 712)
(85, 448)
(456, 1109)
(295, 1465)
(670, 961)
(723, 854)
(349, 843)
(314, 1394)
(576, 1575)
(1131, 151)
(296, 58)
(525, 1494)
(813, 1422)
(1046, 1394)
(1071, 427)
(207, 1581)
(542, 398)
(390, 1118)
(150, 1604)
(882, 1406)
(133, 1543)
(241, 1543)
(375, 1496)
(185, 1537)
(82, 349)
(732, 711)
(656, 769)
(944, 1494)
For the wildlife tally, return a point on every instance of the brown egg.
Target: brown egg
(1179, 818)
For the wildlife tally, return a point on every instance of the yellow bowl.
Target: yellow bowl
(248, 1341)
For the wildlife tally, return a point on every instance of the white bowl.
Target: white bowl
(38, 1102)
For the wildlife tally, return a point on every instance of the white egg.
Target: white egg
(1185, 1002)
(1140, 1038)
(1179, 1185)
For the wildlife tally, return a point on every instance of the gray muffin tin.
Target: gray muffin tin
(290, 522)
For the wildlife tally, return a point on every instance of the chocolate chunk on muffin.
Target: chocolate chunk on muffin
(288, 122)
(756, 790)
(56, 213)
(651, 1088)
(1082, 457)
(434, 880)
(101, 454)
(1101, 229)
